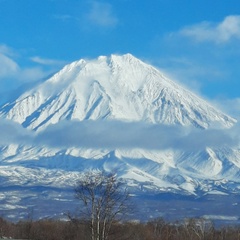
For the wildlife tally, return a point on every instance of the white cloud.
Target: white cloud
(101, 14)
(222, 32)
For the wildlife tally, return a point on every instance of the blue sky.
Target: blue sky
(197, 43)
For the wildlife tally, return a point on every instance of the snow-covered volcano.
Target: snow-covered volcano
(115, 87)
(121, 88)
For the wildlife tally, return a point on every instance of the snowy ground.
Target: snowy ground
(41, 202)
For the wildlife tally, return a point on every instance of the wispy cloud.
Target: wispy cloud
(8, 66)
(6, 50)
(14, 78)
(32, 74)
(12, 74)
(221, 32)
(11, 70)
(95, 14)
(101, 14)
(230, 106)
(47, 61)
(119, 135)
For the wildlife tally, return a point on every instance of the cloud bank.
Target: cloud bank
(13, 133)
(119, 135)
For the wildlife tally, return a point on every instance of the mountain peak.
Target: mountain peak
(119, 87)
(124, 57)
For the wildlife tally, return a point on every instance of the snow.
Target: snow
(221, 217)
(117, 87)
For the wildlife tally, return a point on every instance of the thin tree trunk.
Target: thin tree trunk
(92, 219)
(98, 224)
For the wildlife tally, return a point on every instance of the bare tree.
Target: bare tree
(104, 201)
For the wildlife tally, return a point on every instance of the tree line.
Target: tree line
(158, 229)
